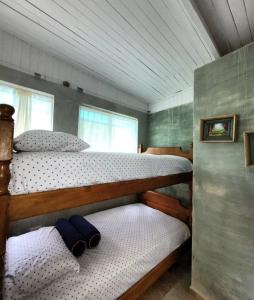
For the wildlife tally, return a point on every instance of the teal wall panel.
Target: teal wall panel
(171, 127)
(223, 191)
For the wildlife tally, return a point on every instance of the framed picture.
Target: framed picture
(219, 129)
(248, 137)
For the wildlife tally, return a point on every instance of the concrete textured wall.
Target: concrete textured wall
(223, 228)
(67, 101)
(171, 127)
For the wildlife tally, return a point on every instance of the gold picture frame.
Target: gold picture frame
(219, 129)
(248, 138)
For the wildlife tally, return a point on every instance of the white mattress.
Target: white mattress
(135, 238)
(43, 171)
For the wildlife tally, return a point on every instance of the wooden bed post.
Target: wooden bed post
(141, 148)
(6, 142)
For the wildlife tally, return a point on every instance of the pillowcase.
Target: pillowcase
(44, 140)
(35, 259)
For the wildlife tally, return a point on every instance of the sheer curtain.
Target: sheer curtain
(107, 131)
(32, 109)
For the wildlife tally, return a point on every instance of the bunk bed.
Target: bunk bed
(19, 206)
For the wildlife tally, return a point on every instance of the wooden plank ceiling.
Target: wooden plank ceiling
(144, 47)
(230, 22)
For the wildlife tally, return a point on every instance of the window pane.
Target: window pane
(106, 131)
(33, 110)
(42, 116)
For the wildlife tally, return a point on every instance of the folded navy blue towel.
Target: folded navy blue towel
(72, 238)
(90, 233)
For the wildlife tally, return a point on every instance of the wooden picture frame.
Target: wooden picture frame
(248, 137)
(219, 129)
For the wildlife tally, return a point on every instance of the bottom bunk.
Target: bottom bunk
(138, 243)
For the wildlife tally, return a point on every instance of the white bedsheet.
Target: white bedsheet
(43, 171)
(135, 238)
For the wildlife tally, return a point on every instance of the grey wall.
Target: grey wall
(223, 228)
(171, 127)
(67, 101)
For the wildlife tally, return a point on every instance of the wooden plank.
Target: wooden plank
(129, 51)
(170, 151)
(129, 45)
(167, 204)
(34, 204)
(169, 56)
(199, 29)
(240, 17)
(103, 38)
(63, 24)
(249, 7)
(210, 17)
(228, 24)
(174, 30)
(104, 90)
(102, 16)
(45, 40)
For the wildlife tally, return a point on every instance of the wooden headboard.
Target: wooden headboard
(168, 151)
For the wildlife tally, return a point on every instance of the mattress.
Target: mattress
(43, 171)
(135, 238)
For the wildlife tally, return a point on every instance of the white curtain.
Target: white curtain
(32, 110)
(106, 131)
(23, 118)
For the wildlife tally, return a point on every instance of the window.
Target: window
(33, 109)
(107, 131)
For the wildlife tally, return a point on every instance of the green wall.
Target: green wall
(171, 127)
(223, 227)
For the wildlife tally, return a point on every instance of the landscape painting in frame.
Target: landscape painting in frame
(249, 148)
(218, 129)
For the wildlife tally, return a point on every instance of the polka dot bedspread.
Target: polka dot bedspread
(43, 171)
(135, 238)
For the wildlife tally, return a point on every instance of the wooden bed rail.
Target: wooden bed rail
(6, 141)
(169, 205)
(167, 151)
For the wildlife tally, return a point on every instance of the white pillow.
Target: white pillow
(44, 140)
(35, 259)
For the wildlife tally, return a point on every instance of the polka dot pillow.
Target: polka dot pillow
(35, 259)
(44, 140)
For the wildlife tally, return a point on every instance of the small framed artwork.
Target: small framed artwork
(221, 129)
(248, 137)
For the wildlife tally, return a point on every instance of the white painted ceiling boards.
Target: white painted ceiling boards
(230, 22)
(146, 48)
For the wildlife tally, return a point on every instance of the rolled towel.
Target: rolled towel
(74, 241)
(90, 233)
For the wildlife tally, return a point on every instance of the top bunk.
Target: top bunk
(41, 182)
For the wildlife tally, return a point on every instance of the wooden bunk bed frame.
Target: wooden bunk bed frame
(18, 207)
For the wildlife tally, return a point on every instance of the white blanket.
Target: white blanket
(42, 171)
(135, 238)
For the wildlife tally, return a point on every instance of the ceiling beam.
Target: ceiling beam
(200, 26)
